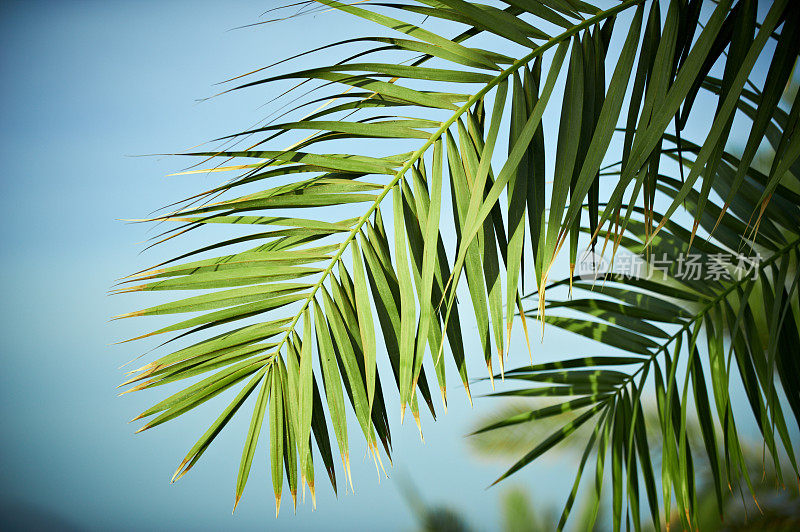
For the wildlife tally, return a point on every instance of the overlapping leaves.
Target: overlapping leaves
(694, 323)
(308, 283)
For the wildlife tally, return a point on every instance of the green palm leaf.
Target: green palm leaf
(661, 320)
(294, 267)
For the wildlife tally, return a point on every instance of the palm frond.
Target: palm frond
(300, 281)
(743, 307)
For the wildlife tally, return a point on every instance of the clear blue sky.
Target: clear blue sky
(84, 85)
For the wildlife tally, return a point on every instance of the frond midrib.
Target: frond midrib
(707, 308)
(415, 156)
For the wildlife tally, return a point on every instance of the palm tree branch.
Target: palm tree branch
(444, 127)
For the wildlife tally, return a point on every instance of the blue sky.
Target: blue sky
(85, 85)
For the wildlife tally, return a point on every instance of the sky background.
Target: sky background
(86, 85)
